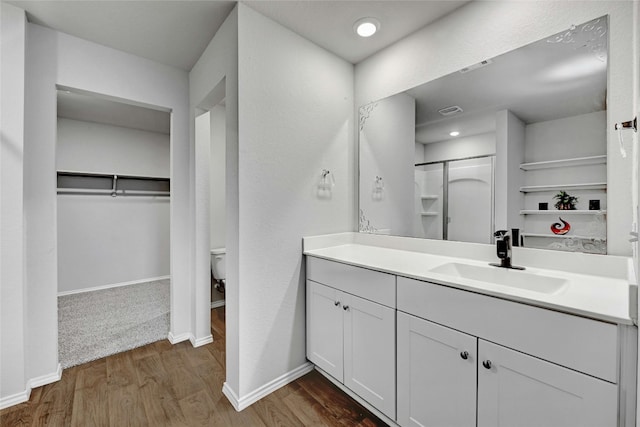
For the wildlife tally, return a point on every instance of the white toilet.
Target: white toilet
(218, 268)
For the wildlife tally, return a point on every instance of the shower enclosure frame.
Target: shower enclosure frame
(445, 189)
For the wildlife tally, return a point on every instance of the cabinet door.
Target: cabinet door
(369, 352)
(517, 390)
(325, 328)
(436, 374)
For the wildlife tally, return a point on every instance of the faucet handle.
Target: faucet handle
(500, 233)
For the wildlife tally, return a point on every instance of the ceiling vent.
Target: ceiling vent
(449, 111)
(476, 66)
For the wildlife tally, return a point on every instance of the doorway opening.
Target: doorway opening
(113, 225)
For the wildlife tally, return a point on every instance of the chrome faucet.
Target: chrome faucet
(503, 249)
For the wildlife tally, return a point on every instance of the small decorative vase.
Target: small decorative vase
(560, 229)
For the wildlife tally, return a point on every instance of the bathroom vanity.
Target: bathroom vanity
(426, 333)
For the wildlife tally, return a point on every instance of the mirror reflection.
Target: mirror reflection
(515, 142)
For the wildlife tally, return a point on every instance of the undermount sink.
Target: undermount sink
(503, 276)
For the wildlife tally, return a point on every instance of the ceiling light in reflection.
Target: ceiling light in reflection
(454, 133)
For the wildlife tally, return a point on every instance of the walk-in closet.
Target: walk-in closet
(113, 219)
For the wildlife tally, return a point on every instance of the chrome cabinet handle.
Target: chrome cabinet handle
(345, 308)
(337, 303)
(464, 355)
(487, 364)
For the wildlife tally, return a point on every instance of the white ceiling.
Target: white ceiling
(330, 23)
(542, 81)
(170, 32)
(177, 32)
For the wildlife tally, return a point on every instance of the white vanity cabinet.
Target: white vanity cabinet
(351, 329)
(574, 386)
(436, 374)
(515, 389)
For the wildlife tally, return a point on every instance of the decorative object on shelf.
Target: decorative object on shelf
(594, 205)
(565, 202)
(515, 237)
(561, 229)
(543, 206)
(365, 226)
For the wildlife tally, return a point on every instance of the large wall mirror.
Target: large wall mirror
(514, 142)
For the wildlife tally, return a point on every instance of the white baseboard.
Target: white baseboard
(46, 379)
(201, 341)
(14, 399)
(216, 304)
(268, 388)
(358, 399)
(175, 339)
(23, 396)
(231, 396)
(112, 285)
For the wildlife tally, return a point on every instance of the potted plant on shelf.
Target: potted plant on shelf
(565, 202)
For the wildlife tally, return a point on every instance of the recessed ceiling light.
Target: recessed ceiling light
(366, 27)
(454, 133)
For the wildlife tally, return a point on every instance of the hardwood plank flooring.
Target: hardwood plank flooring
(177, 385)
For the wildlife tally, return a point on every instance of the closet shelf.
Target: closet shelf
(110, 175)
(578, 161)
(562, 236)
(568, 187)
(91, 183)
(430, 197)
(563, 212)
(429, 213)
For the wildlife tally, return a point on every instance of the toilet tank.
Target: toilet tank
(218, 263)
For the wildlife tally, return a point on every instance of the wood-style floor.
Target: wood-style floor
(177, 385)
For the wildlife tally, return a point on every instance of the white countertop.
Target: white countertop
(610, 299)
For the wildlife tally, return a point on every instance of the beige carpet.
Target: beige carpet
(92, 325)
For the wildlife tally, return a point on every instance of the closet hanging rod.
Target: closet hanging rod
(105, 192)
(110, 175)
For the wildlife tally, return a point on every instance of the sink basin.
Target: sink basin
(503, 277)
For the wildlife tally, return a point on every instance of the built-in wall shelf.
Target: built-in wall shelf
(566, 187)
(562, 236)
(578, 161)
(430, 197)
(563, 212)
(429, 214)
(91, 183)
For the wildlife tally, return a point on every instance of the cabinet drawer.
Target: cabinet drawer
(368, 284)
(586, 345)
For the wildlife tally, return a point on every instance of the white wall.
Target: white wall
(105, 240)
(101, 148)
(217, 185)
(510, 136)
(577, 136)
(215, 76)
(296, 118)
(452, 43)
(387, 150)
(12, 292)
(55, 58)
(466, 146)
